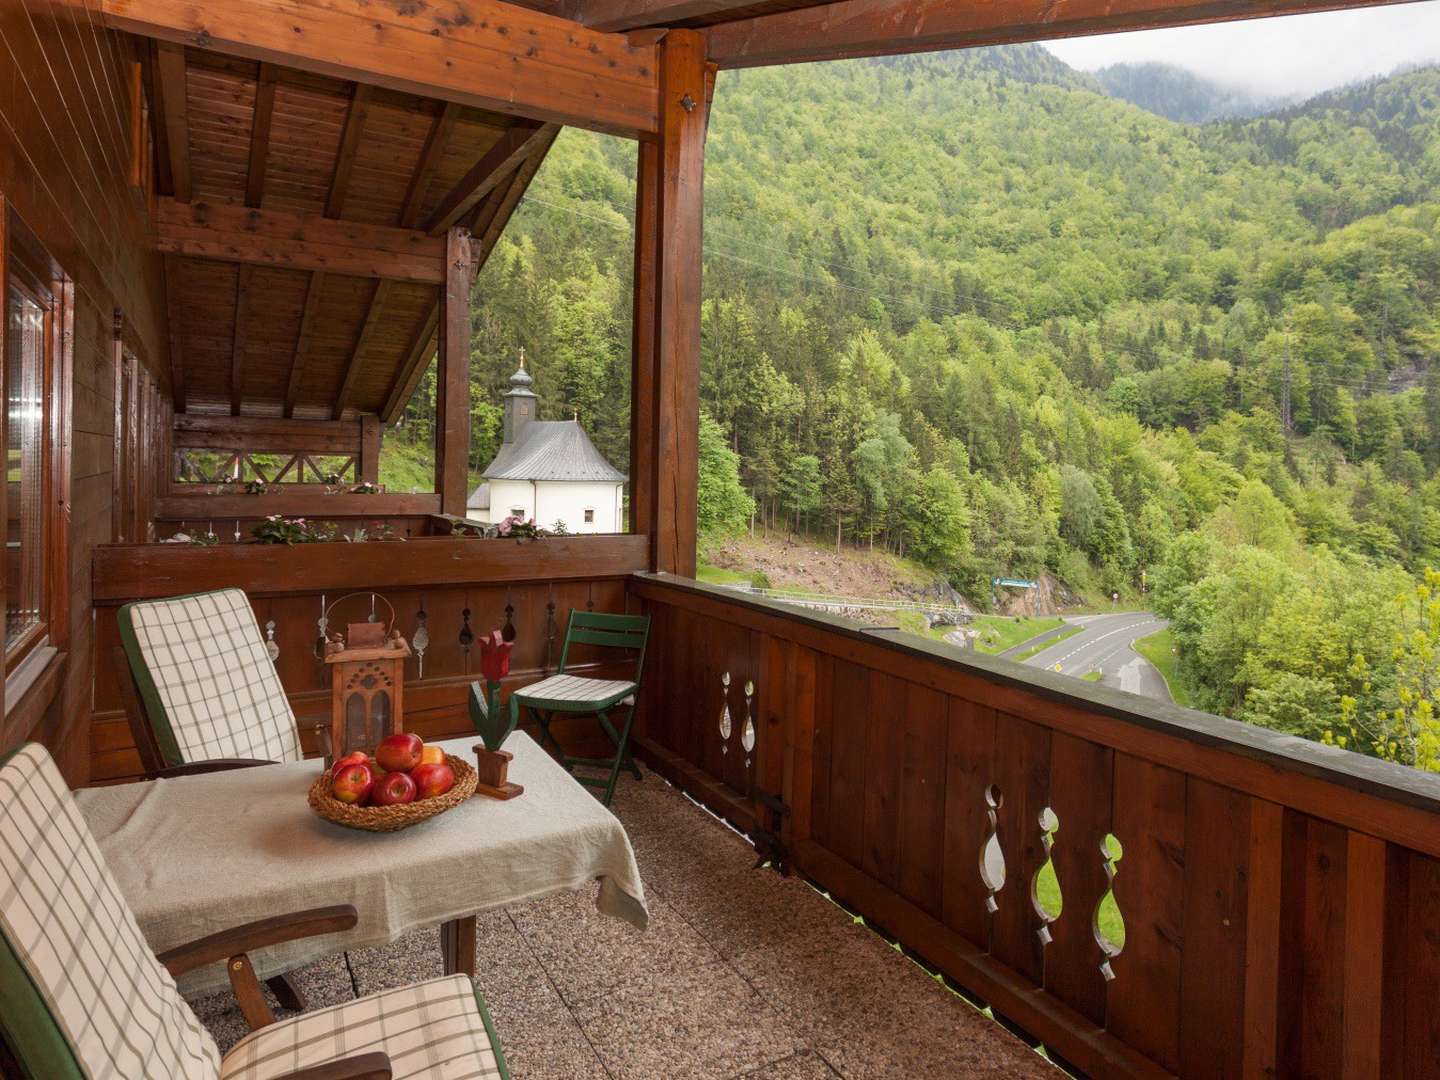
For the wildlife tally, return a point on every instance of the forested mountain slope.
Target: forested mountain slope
(1178, 94)
(967, 307)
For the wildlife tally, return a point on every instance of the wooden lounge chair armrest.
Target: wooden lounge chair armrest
(226, 944)
(195, 768)
(373, 1066)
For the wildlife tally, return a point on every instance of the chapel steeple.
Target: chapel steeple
(520, 402)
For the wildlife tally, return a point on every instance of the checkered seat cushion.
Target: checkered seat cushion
(562, 692)
(81, 993)
(209, 687)
(437, 1029)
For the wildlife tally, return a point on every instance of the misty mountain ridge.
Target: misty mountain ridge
(1182, 95)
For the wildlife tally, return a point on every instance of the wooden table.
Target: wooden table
(198, 854)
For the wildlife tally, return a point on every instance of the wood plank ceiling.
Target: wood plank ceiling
(254, 336)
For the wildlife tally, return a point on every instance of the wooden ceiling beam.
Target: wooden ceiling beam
(175, 114)
(173, 325)
(496, 56)
(853, 28)
(260, 135)
(302, 342)
(294, 240)
(349, 147)
(425, 168)
(239, 338)
(496, 164)
(614, 16)
(362, 339)
(486, 225)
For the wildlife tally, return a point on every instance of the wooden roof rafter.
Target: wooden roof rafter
(855, 28)
(510, 151)
(170, 83)
(500, 57)
(260, 128)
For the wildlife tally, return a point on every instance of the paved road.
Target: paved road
(1104, 646)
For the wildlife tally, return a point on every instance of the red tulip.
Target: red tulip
(495, 656)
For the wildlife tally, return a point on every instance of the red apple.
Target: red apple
(355, 757)
(399, 752)
(432, 780)
(432, 755)
(393, 789)
(353, 784)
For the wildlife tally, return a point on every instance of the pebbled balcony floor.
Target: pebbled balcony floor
(742, 973)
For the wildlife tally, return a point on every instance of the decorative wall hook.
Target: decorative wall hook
(687, 103)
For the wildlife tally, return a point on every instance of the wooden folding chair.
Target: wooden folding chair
(202, 695)
(83, 995)
(202, 692)
(574, 695)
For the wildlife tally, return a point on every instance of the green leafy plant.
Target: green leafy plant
(291, 531)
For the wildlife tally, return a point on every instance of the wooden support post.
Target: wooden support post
(452, 385)
(679, 212)
(642, 345)
(370, 435)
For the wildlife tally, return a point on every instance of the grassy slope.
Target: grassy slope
(1159, 649)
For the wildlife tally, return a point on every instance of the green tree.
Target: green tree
(722, 505)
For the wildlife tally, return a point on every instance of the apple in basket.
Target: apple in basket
(394, 789)
(431, 780)
(432, 755)
(354, 757)
(399, 752)
(352, 784)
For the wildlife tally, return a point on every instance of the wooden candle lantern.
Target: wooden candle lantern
(367, 679)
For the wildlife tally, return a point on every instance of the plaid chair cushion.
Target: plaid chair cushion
(562, 691)
(436, 1029)
(73, 934)
(209, 679)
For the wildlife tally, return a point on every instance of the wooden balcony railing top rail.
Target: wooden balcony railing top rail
(1278, 898)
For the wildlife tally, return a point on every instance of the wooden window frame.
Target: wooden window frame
(26, 265)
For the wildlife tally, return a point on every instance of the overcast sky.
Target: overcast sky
(1302, 54)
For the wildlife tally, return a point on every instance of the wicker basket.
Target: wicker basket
(392, 818)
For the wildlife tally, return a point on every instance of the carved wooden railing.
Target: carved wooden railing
(457, 589)
(1280, 899)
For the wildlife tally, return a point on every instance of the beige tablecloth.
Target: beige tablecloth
(199, 854)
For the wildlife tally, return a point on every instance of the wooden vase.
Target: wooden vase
(492, 768)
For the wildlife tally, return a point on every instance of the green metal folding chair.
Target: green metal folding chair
(573, 695)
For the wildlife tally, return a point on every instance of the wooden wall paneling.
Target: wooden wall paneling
(1274, 899)
(797, 721)
(850, 705)
(1217, 858)
(969, 773)
(884, 749)
(1022, 773)
(1081, 775)
(1362, 1036)
(823, 756)
(775, 701)
(1313, 947)
(923, 734)
(1417, 968)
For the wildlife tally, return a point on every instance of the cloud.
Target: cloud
(1288, 56)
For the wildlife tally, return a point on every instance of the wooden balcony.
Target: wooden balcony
(1278, 897)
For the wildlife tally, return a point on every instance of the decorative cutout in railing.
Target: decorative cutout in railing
(1107, 911)
(992, 858)
(747, 729)
(726, 727)
(1049, 823)
(224, 467)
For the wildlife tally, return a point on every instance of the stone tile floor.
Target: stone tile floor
(742, 973)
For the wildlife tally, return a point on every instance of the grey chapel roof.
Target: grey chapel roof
(553, 450)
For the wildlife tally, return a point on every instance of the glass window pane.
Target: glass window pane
(24, 396)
